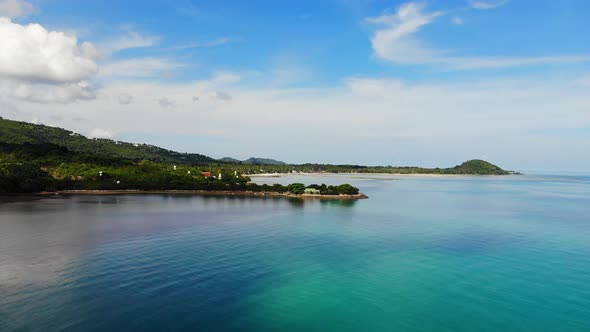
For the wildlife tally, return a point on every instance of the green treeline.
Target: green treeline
(48, 167)
(474, 167)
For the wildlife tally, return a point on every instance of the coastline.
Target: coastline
(201, 193)
(278, 175)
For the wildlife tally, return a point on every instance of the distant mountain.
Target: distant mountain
(230, 160)
(252, 161)
(263, 161)
(16, 132)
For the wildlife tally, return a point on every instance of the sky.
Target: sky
(429, 83)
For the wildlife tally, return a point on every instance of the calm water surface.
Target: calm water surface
(422, 254)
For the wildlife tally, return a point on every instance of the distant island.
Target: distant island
(37, 158)
(252, 161)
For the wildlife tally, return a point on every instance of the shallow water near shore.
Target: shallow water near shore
(508, 253)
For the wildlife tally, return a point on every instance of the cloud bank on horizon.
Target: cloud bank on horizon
(344, 82)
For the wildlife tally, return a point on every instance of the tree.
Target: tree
(346, 189)
(296, 188)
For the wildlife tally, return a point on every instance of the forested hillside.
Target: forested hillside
(22, 132)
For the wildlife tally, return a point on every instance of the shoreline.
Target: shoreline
(200, 193)
(278, 175)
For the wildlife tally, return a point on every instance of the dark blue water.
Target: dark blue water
(422, 254)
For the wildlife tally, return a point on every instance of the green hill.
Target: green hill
(229, 160)
(263, 161)
(477, 166)
(16, 132)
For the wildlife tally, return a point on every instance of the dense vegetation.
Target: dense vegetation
(22, 132)
(49, 167)
(37, 157)
(475, 167)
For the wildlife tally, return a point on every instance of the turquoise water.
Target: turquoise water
(422, 254)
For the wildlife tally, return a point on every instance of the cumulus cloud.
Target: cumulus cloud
(101, 133)
(125, 99)
(44, 93)
(32, 52)
(479, 4)
(41, 66)
(397, 41)
(16, 8)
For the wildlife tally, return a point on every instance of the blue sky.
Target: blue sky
(428, 83)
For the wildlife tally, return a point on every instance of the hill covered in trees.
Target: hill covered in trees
(22, 132)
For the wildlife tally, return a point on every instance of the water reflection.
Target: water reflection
(343, 203)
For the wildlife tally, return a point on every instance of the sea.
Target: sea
(423, 253)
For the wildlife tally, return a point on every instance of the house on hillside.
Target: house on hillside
(207, 174)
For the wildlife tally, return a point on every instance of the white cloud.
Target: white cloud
(101, 133)
(32, 52)
(129, 40)
(457, 20)
(479, 4)
(365, 120)
(125, 98)
(397, 41)
(41, 66)
(139, 68)
(464, 63)
(38, 92)
(207, 44)
(16, 8)
(375, 87)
